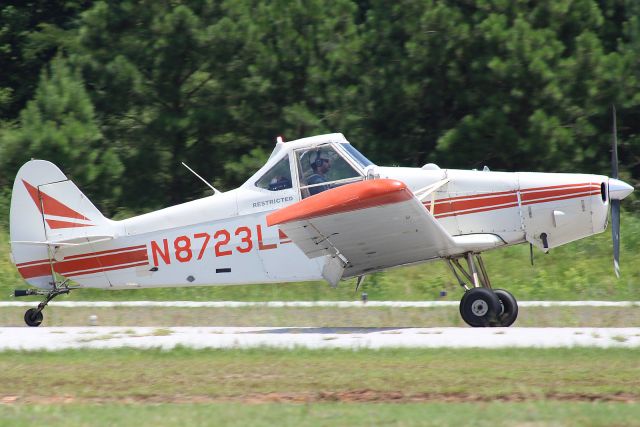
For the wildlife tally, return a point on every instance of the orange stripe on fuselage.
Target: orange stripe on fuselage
(92, 262)
(101, 261)
(562, 197)
(477, 210)
(543, 194)
(40, 261)
(465, 205)
(103, 269)
(90, 254)
(565, 186)
(449, 207)
(478, 196)
(35, 271)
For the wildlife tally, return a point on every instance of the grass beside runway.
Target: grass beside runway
(318, 316)
(322, 375)
(405, 387)
(539, 414)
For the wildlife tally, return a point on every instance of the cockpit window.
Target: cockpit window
(357, 156)
(278, 178)
(322, 168)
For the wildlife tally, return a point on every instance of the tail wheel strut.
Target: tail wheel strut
(34, 317)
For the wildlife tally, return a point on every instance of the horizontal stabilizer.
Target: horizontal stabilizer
(81, 241)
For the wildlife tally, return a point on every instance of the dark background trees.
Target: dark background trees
(119, 93)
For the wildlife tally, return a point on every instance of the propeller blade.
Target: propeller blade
(531, 253)
(618, 190)
(615, 202)
(615, 234)
(614, 146)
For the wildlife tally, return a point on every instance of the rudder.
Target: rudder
(47, 209)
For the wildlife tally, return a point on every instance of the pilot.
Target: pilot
(320, 166)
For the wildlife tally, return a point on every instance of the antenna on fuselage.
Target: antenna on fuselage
(215, 191)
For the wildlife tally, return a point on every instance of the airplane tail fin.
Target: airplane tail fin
(47, 211)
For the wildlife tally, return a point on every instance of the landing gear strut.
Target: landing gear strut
(34, 316)
(480, 305)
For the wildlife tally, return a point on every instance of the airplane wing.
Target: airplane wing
(365, 226)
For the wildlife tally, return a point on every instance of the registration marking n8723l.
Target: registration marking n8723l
(181, 248)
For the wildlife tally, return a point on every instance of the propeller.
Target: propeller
(618, 190)
(615, 203)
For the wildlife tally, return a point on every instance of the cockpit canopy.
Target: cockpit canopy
(313, 165)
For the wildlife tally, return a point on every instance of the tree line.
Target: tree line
(118, 93)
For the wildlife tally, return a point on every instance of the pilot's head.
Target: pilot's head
(320, 163)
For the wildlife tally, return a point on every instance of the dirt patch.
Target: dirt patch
(349, 396)
(363, 396)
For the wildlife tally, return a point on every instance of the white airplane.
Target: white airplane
(318, 209)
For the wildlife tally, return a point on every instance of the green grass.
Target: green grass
(606, 317)
(265, 387)
(539, 414)
(322, 375)
(581, 270)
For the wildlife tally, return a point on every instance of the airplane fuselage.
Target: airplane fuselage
(224, 239)
(317, 210)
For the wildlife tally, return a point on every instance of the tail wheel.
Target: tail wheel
(480, 307)
(33, 317)
(509, 308)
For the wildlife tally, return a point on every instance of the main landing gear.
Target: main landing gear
(34, 316)
(480, 305)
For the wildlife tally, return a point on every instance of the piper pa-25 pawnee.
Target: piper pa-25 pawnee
(318, 209)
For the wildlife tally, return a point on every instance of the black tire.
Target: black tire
(509, 308)
(33, 317)
(480, 307)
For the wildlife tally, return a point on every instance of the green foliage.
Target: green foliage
(5, 203)
(395, 387)
(30, 33)
(209, 82)
(158, 74)
(248, 163)
(514, 85)
(119, 93)
(9, 277)
(59, 125)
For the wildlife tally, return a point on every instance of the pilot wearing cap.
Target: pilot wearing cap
(320, 166)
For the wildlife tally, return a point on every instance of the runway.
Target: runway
(101, 337)
(306, 304)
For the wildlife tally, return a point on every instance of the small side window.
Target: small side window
(278, 178)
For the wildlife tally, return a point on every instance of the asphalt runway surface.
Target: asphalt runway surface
(58, 338)
(280, 304)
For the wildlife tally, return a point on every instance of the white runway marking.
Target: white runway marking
(277, 304)
(57, 338)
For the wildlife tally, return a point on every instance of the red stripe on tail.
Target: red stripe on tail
(51, 206)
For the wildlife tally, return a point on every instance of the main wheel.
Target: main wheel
(33, 317)
(509, 308)
(480, 307)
